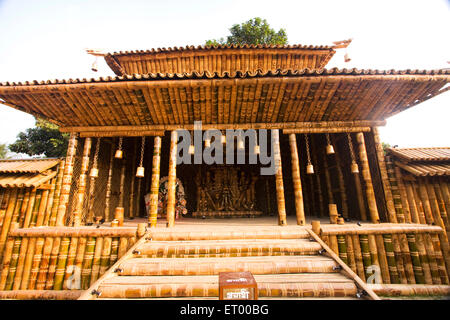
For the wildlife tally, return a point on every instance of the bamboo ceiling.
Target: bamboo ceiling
(220, 59)
(273, 97)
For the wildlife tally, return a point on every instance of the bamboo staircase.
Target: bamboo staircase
(286, 264)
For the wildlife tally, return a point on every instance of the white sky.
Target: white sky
(43, 40)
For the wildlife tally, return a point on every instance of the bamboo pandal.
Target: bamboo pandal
(171, 182)
(394, 290)
(384, 176)
(67, 179)
(370, 193)
(298, 193)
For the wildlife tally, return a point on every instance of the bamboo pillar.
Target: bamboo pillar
(132, 182)
(107, 213)
(299, 208)
(67, 179)
(171, 183)
(78, 212)
(279, 178)
(384, 176)
(367, 179)
(154, 189)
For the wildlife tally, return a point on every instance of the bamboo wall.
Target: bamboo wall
(61, 258)
(29, 207)
(399, 253)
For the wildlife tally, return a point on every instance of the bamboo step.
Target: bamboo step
(235, 232)
(228, 248)
(212, 266)
(270, 285)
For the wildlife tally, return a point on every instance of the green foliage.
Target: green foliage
(44, 139)
(254, 31)
(3, 150)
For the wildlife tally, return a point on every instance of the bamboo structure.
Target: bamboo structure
(298, 193)
(154, 189)
(279, 178)
(367, 179)
(171, 184)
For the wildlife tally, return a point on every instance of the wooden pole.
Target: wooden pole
(299, 208)
(384, 176)
(279, 178)
(154, 189)
(171, 183)
(78, 213)
(367, 179)
(67, 179)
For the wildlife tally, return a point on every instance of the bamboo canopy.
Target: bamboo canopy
(281, 96)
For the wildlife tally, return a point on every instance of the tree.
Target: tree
(254, 31)
(44, 139)
(3, 150)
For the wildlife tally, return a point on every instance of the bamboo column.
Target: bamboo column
(367, 179)
(154, 189)
(279, 178)
(107, 213)
(384, 176)
(67, 179)
(171, 183)
(78, 212)
(299, 208)
(132, 182)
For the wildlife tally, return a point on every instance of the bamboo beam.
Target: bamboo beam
(67, 179)
(154, 189)
(279, 178)
(171, 183)
(322, 126)
(299, 208)
(367, 179)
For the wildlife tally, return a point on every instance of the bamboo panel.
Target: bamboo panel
(170, 211)
(390, 256)
(358, 257)
(154, 189)
(64, 256)
(13, 263)
(398, 256)
(44, 263)
(382, 258)
(418, 270)
(87, 263)
(299, 208)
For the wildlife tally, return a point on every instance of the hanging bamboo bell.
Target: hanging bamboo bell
(94, 173)
(140, 170)
(354, 167)
(119, 152)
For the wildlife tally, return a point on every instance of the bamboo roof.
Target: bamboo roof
(25, 173)
(281, 96)
(27, 165)
(422, 154)
(221, 58)
(433, 161)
